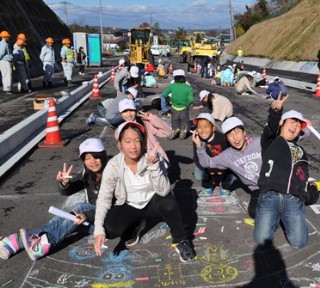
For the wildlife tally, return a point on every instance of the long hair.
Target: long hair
(89, 177)
(142, 137)
(208, 103)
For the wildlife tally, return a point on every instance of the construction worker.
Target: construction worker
(23, 37)
(6, 63)
(48, 59)
(240, 54)
(68, 59)
(19, 61)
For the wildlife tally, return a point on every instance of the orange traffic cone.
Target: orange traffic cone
(53, 136)
(317, 92)
(95, 89)
(112, 74)
(264, 73)
(195, 67)
(170, 69)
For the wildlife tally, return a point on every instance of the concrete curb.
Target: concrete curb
(21, 138)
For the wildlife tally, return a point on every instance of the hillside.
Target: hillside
(292, 36)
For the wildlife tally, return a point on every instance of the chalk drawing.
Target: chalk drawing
(314, 266)
(143, 255)
(218, 274)
(148, 237)
(82, 252)
(170, 275)
(127, 284)
(115, 259)
(216, 254)
(116, 273)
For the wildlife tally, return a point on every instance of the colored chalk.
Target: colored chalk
(164, 225)
(249, 221)
(142, 279)
(203, 238)
(201, 224)
(7, 283)
(168, 237)
(222, 229)
(173, 245)
(158, 260)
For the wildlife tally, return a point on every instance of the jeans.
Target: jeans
(58, 228)
(163, 103)
(102, 121)
(274, 207)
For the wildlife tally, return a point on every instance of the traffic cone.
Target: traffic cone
(317, 92)
(53, 136)
(95, 88)
(195, 67)
(170, 69)
(264, 73)
(112, 74)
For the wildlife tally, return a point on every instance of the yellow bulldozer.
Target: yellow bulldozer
(139, 44)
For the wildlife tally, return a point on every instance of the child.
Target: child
(181, 99)
(219, 106)
(215, 142)
(81, 59)
(284, 188)
(133, 188)
(38, 242)
(243, 158)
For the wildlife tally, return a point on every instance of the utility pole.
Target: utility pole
(231, 21)
(65, 3)
(101, 26)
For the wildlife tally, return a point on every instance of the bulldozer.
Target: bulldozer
(139, 44)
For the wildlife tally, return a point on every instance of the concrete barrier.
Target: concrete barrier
(21, 138)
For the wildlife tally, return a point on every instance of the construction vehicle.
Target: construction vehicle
(201, 48)
(184, 48)
(139, 45)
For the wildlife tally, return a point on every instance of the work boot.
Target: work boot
(36, 246)
(70, 84)
(174, 133)
(9, 246)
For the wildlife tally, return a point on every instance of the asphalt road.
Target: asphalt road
(226, 253)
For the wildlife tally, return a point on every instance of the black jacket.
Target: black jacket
(279, 171)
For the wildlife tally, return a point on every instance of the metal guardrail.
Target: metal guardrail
(21, 138)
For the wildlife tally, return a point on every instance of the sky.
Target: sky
(169, 14)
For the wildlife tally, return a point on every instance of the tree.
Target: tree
(156, 31)
(144, 25)
(180, 34)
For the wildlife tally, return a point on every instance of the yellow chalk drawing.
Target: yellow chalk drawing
(170, 276)
(113, 285)
(218, 274)
(215, 254)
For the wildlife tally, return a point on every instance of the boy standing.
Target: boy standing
(284, 188)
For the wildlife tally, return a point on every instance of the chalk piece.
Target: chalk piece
(201, 224)
(142, 279)
(203, 238)
(67, 177)
(222, 229)
(168, 237)
(104, 246)
(173, 245)
(249, 221)
(164, 225)
(7, 283)
(158, 260)
(238, 221)
(237, 228)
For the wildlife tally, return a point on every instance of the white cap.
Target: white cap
(129, 123)
(138, 103)
(122, 61)
(203, 94)
(134, 71)
(132, 91)
(276, 78)
(126, 104)
(250, 74)
(206, 116)
(295, 115)
(231, 123)
(91, 145)
(178, 72)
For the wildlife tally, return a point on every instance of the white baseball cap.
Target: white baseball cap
(132, 91)
(295, 115)
(250, 74)
(126, 104)
(130, 123)
(91, 145)
(134, 71)
(231, 123)
(206, 116)
(122, 61)
(178, 72)
(203, 94)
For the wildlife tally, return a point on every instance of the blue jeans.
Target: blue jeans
(163, 103)
(274, 207)
(58, 228)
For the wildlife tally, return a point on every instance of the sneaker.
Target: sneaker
(174, 134)
(35, 245)
(183, 132)
(9, 246)
(136, 234)
(91, 119)
(185, 251)
(224, 192)
(206, 192)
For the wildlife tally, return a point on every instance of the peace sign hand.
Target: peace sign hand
(64, 175)
(277, 104)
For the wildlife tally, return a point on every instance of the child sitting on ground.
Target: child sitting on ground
(215, 143)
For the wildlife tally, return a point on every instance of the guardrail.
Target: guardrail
(21, 138)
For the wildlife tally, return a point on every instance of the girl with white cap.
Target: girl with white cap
(38, 242)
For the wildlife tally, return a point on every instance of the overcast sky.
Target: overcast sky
(189, 14)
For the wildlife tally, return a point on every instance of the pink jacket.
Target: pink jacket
(155, 127)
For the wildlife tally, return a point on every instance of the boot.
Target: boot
(10, 245)
(70, 84)
(174, 133)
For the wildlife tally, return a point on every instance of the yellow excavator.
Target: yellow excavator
(139, 44)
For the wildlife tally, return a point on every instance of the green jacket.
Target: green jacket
(182, 95)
